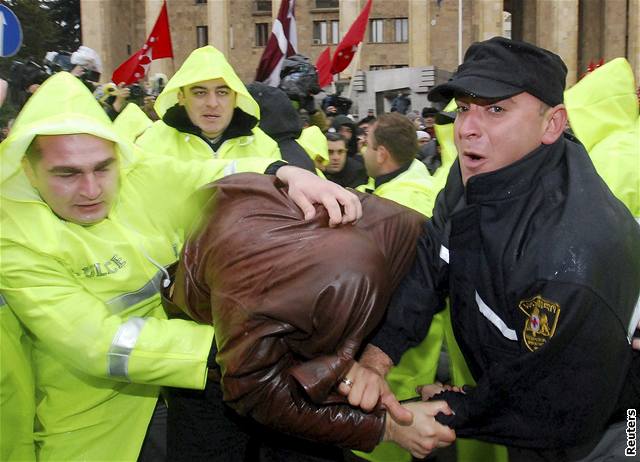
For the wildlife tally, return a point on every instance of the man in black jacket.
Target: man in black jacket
(542, 266)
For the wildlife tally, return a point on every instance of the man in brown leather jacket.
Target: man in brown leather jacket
(292, 302)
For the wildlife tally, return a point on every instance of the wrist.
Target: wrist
(388, 428)
(275, 167)
(377, 360)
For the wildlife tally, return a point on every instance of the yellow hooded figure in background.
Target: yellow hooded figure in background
(206, 112)
(604, 116)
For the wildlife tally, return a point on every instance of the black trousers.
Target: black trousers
(202, 428)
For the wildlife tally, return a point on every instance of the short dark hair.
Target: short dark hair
(367, 120)
(396, 133)
(335, 136)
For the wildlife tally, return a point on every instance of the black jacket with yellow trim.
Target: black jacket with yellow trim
(542, 266)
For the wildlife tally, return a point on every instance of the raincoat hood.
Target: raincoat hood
(448, 151)
(61, 106)
(608, 96)
(206, 63)
(603, 111)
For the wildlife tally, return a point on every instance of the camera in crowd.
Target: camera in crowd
(24, 74)
(336, 105)
(299, 80)
(24, 78)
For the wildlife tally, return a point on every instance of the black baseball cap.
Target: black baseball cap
(499, 68)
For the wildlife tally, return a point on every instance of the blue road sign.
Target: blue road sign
(10, 32)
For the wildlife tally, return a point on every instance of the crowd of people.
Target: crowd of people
(187, 276)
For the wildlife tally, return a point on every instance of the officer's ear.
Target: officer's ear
(555, 120)
(382, 154)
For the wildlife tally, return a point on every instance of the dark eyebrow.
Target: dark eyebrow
(67, 169)
(198, 87)
(105, 163)
(63, 169)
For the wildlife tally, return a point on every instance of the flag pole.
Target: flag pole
(356, 65)
(459, 32)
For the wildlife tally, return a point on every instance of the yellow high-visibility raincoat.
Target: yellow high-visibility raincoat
(89, 295)
(206, 63)
(603, 114)
(132, 122)
(17, 392)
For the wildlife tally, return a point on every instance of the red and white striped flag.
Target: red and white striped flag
(282, 43)
(158, 45)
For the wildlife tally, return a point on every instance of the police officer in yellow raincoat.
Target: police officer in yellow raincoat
(206, 112)
(86, 232)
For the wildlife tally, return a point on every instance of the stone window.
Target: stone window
(202, 36)
(376, 30)
(262, 33)
(335, 32)
(401, 30)
(327, 3)
(262, 6)
(320, 33)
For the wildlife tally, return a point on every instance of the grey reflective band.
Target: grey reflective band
(444, 253)
(635, 320)
(121, 347)
(230, 169)
(495, 319)
(3, 302)
(124, 301)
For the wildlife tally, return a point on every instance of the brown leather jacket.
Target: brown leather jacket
(292, 301)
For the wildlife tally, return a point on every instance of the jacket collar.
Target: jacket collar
(241, 125)
(382, 179)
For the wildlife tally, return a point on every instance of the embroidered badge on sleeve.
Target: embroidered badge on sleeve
(541, 322)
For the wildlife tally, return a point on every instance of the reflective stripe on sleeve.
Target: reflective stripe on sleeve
(3, 302)
(231, 168)
(495, 319)
(121, 347)
(444, 253)
(124, 301)
(635, 319)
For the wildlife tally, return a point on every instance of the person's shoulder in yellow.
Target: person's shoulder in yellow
(206, 112)
(394, 172)
(314, 142)
(603, 114)
(132, 122)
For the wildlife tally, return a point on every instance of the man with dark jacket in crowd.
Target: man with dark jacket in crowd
(342, 169)
(280, 120)
(542, 266)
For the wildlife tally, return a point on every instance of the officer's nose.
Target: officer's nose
(467, 123)
(90, 186)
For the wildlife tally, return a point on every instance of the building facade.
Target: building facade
(401, 33)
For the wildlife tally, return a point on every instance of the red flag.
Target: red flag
(282, 43)
(158, 45)
(323, 64)
(349, 44)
